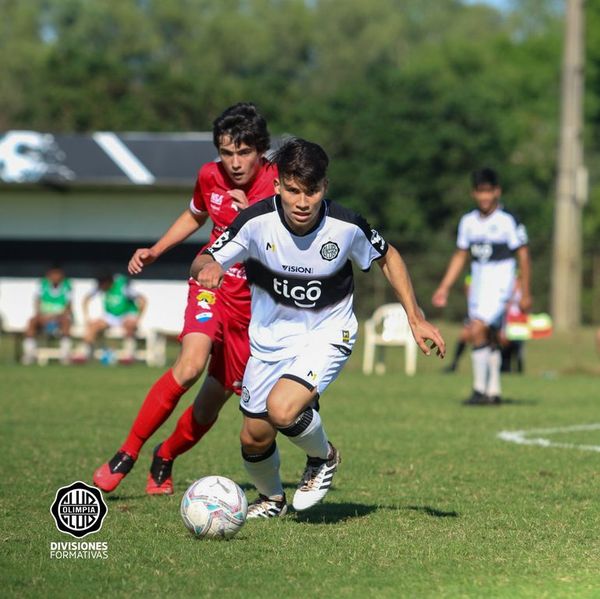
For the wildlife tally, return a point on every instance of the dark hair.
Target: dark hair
(245, 125)
(104, 277)
(302, 160)
(484, 176)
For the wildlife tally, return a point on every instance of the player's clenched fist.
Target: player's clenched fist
(209, 274)
(240, 201)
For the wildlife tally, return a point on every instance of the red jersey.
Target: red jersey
(210, 195)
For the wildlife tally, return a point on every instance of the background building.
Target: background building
(87, 201)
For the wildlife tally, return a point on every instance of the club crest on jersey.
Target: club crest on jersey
(245, 396)
(206, 299)
(330, 251)
(345, 336)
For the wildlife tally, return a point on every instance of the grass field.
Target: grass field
(428, 502)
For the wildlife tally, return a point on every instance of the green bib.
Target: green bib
(54, 300)
(116, 300)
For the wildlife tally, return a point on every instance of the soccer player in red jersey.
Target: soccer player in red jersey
(215, 330)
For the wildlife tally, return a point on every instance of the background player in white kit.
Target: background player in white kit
(492, 236)
(298, 247)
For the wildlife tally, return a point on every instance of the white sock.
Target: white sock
(129, 346)
(29, 347)
(480, 358)
(494, 364)
(264, 472)
(86, 351)
(312, 439)
(65, 348)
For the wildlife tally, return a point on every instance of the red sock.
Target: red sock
(157, 407)
(186, 434)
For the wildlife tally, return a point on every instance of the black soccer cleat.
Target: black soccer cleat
(477, 399)
(160, 481)
(267, 507)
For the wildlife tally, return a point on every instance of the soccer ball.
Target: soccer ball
(214, 507)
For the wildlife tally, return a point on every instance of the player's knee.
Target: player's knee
(281, 414)
(254, 443)
(189, 366)
(187, 372)
(130, 327)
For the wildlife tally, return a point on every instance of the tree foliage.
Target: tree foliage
(407, 96)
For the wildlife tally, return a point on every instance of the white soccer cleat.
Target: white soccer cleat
(316, 480)
(267, 507)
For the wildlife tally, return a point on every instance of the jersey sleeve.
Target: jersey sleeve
(197, 203)
(367, 245)
(233, 244)
(517, 235)
(462, 237)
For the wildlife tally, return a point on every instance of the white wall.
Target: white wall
(166, 302)
(91, 215)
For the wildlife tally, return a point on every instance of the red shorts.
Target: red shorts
(209, 312)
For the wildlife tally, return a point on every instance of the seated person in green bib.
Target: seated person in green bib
(122, 307)
(52, 315)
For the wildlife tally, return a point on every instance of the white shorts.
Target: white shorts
(489, 310)
(117, 321)
(491, 287)
(315, 367)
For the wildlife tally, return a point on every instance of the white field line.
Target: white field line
(523, 437)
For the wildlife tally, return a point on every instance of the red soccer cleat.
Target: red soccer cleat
(110, 474)
(155, 488)
(160, 481)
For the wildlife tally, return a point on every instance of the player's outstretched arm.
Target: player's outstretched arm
(455, 267)
(525, 275)
(186, 224)
(207, 271)
(395, 271)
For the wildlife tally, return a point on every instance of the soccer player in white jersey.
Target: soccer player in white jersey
(298, 248)
(492, 236)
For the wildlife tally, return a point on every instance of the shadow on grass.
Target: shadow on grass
(506, 401)
(134, 496)
(431, 511)
(519, 402)
(330, 513)
(246, 486)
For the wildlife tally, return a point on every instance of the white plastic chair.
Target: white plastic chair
(388, 327)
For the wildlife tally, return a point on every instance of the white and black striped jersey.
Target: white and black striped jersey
(491, 241)
(302, 285)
